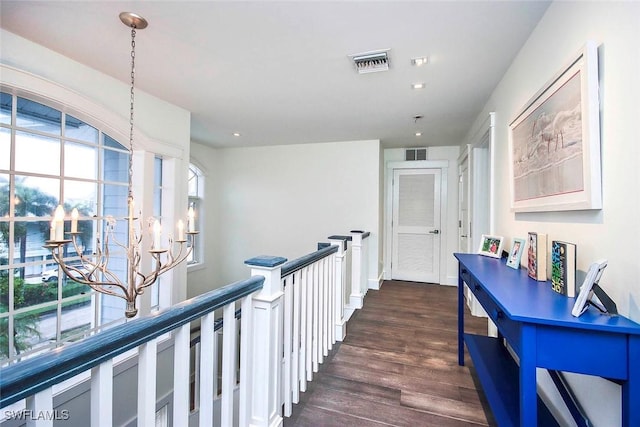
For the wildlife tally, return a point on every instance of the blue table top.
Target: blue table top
(527, 300)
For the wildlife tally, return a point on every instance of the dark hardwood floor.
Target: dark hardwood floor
(398, 365)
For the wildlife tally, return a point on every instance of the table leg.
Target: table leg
(528, 390)
(631, 387)
(460, 319)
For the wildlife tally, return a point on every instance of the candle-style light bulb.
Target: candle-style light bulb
(52, 232)
(191, 220)
(58, 217)
(180, 230)
(74, 220)
(156, 234)
(131, 207)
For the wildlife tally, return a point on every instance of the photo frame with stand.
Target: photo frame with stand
(590, 288)
(491, 246)
(515, 254)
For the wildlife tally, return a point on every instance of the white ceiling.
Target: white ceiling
(279, 72)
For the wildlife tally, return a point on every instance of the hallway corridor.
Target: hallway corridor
(397, 366)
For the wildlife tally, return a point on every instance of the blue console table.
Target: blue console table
(538, 325)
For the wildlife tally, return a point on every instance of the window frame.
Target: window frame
(196, 199)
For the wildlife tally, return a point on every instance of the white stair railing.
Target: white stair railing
(292, 315)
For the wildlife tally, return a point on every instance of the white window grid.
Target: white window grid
(104, 144)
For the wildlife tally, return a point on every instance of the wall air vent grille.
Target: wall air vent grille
(415, 154)
(371, 62)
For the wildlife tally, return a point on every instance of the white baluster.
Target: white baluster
(316, 318)
(147, 361)
(102, 395)
(207, 369)
(321, 309)
(309, 325)
(228, 364)
(216, 366)
(304, 305)
(40, 403)
(245, 361)
(287, 337)
(181, 376)
(327, 308)
(295, 356)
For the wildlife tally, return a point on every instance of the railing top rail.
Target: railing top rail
(305, 260)
(26, 378)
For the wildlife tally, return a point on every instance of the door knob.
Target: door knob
(435, 232)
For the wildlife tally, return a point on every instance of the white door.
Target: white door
(415, 225)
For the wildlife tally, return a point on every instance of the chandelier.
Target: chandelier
(93, 270)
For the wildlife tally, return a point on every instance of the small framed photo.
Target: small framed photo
(491, 246)
(515, 254)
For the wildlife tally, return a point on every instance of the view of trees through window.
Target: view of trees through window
(47, 158)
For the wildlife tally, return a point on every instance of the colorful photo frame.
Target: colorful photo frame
(515, 254)
(491, 246)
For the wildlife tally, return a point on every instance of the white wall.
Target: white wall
(283, 200)
(206, 276)
(612, 232)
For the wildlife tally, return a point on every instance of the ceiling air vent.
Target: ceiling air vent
(371, 62)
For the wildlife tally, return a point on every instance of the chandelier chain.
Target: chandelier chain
(132, 99)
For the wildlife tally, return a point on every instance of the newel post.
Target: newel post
(340, 324)
(362, 237)
(264, 357)
(357, 296)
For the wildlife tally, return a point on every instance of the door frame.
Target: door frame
(443, 165)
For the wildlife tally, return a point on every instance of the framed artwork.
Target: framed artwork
(491, 246)
(554, 142)
(515, 254)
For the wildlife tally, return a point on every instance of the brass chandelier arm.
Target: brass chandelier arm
(163, 268)
(85, 279)
(92, 266)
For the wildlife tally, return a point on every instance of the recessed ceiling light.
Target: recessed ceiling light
(423, 60)
(236, 134)
(418, 133)
(418, 85)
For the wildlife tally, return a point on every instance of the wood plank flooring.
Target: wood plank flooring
(398, 366)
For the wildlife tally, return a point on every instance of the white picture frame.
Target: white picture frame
(554, 142)
(491, 246)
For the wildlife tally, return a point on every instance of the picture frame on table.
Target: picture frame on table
(554, 142)
(517, 248)
(491, 246)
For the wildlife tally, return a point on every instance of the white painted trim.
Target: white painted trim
(23, 83)
(492, 173)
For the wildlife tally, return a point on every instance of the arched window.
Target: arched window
(195, 181)
(48, 156)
